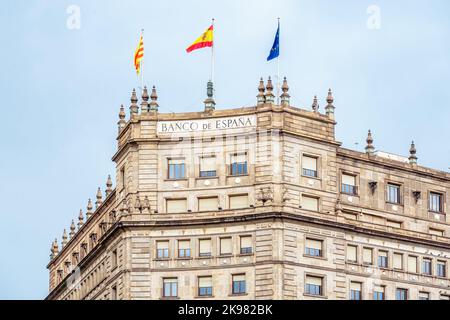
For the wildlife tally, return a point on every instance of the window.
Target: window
(238, 164)
(184, 249)
(238, 285)
(313, 285)
(239, 201)
(176, 205)
(114, 293)
(208, 204)
(205, 286)
(355, 291)
(176, 168)
(313, 247)
(246, 244)
(440, 269)
(382, 259)
(394, 224)
(398, 261)
(352, 253)
(309, 166)
(379, 293)
(162, 249)
(170, 287)
(444, 297)
(114, 258)
(412, 264)
(424, 295)
(226, 246)
(393, 193)
(367, 256)
(122, 177)
(349, 184)
(401, 294)
(204, 248)
(436, 202)
(426, 266)
(436, 232)
(310, 203)
(208, 167)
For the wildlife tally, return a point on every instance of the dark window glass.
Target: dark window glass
(440, 270)
(310, 173)
(378, 295)
(401, 294)
(176, 170)
(313, 289)
(238, 168)
(426, 267)
(435, 202)
(393, 194)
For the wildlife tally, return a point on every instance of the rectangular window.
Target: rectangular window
(401, 294)
(310, 203)
(205, 286)
(208, 167)
(444, 297)
(398, 261)
(246, 245)
(170, 287)
(162, 249)
(122, 177)
(204, 248)
(382, 259)
(355, 291)
(238, 284)
(394, 224)
(436, 232)
(367, 256)
(313, 247)
(440, 269)
(309, 166)
(352, 253)
(379, 293)
(114, 258)
(176, 168)
(412, 264)
(114, 293)
(226, 246)
(313, 285)
(184, 249)
(176, 205)
(208, 204)
(393, 193)
(426, 266)
(424, 295)
(435, 202)
(349, 184)
(239, 201)
(238, 164)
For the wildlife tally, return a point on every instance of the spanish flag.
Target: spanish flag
(205, 40)
(139, 55)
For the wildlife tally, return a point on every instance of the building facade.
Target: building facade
(255, 203)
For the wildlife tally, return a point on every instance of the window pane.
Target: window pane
(310, 203)
(225, 246)
(176, 205)
(208, 204)
(238, 202)
(351, 253)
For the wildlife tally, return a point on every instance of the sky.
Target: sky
(61, 88)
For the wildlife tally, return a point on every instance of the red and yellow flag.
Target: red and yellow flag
(139, 55)
(205, 40)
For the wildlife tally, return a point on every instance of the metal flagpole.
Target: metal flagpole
(278, 66)
(212, 55)
(142, 64)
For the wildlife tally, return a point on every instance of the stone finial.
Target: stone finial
(89, 209)
(121, 123)
(330, 107)
(370, 149)
(72, 229)
(209, 102)
(285, 95)
(315, 105)
(412, 154)
(54, 249)
(99, 200)
(80, 219)
(134, 108)
(270, 97)
(260, 98)
(108, 186)
(144, 103)
(64, 239)
(154, 97)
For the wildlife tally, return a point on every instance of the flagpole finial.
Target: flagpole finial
(210, 104)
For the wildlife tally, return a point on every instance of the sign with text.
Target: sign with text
(202, 125)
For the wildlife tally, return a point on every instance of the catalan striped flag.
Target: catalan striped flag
(205, 40)
(139, 55)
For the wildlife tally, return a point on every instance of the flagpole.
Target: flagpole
(212, 56)
(142, 64)
(278, 67)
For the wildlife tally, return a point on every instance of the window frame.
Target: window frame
(245, 250)
(307, 251)
(441, 198)
(237, 165)
(352, 190)
(240, 284)
(399, 187)
(171, 287)
(209, 172)
(385, 259)
(308, 287)
(184, 169)
(209, 290)
(304, 173)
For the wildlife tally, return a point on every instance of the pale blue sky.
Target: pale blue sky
(61, 91)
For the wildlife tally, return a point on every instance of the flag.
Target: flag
(275, 51)
(139, 55)
(205, 40)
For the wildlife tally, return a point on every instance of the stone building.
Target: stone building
(257, 202)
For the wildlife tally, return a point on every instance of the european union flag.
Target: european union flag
(275, 51)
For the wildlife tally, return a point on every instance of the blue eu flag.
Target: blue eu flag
(275, 51)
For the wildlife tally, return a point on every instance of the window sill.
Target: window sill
(237, 175)
(169, 298)
(315, 296)
(350, 194)
(172, 180)
(227, 255)
(204, 297)
(162, 259)
(394, 204)
(314, 257)
(184, 258)
(238, 294)
(309, 177)
(206, 178)
(245, 254)
(204, 257)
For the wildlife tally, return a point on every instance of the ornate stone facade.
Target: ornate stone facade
(255, 203)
